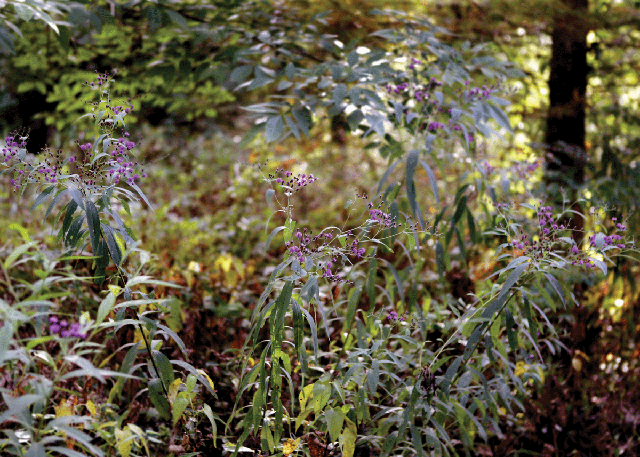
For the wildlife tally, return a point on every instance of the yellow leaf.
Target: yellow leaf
(173, 389)
(305, 394)
(124, 441)
(206, 376)
(347, 439)
(91, 407)
(224, 262)
(137, 336)
(115, 290)
(521, 368)
(289, 446)
(63, 409)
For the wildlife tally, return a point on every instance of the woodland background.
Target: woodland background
(188, 67)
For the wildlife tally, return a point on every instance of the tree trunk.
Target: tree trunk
(565, 135)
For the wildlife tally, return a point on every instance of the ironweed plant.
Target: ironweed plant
(404, 375)
(48, 406)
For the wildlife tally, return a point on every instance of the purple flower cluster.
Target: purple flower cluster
(479, 93)
(488, 168)
(550, 237)
(393, 316)
(548, 232)
(355, 250)
(120, 168)
(545, 219)
(381, 217)
(306, 244)
(525, 169)
(65, 330)
(609, 240)
(328, 274)
(100, 80)
(397, 89)
(117, 167)
(290, 182)
(14, 142)
(413, 63)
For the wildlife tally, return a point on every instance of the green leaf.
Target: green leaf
(462, 206)
(68, 217)
(397, 279)
(179, 405)
(273, 233)
(209, 413)
(335, 419)
(53, 203)
(500, 117)
(164, 367)
(354, 299)
(102, 262)
(274, 128)
(450, 373)
(174, 336)
(16, 253)
(509, 283)
(339, 93)
(24, 12)
(44, 195)
(533, 325)
(556, 285)
(416, 440)
(314, 330)
(240, 74)
(440, 261)
(6, 336)
(302, 116)
(177, 18)
(127, 363)
(112, 244)
(373, 377)
(412, 161)
(321, 395)
(93, 222)
(154, 16)
(293, 126)
(512, 334)
(298, 335)
(376, 122)
(354, 119)
(433, 182)
(105, 306)
(159, 401)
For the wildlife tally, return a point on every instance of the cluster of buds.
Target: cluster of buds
(291, 183)
(379, 216)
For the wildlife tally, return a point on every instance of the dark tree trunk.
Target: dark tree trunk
(565, 136)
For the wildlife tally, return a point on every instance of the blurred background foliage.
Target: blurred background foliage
(181, 61)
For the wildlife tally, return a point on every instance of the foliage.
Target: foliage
(367, 335)
(164, 59)
(26, 11)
